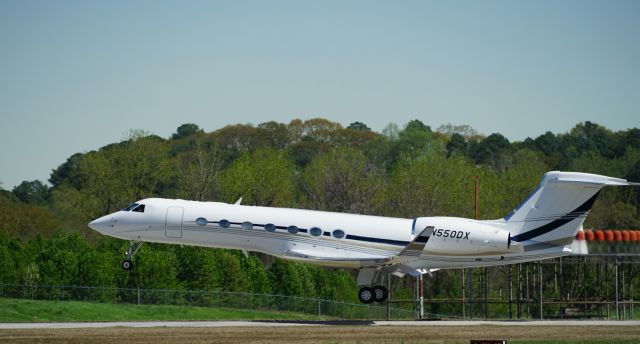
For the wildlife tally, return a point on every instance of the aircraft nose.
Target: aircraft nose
(104, 224)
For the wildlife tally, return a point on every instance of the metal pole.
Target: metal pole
(624, 303)
(463, 295)
(389, 296)
(510, 294)
(540, 284)
(617, 292)
(416, 301)
(469, 288)
(631, 313)
(421, 290)
(519, 291)
(562, 294)
(486, 287)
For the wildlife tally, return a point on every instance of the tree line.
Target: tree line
(315, 164)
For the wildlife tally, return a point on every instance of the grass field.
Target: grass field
(17, 310)
(20, 310)
(329, 334)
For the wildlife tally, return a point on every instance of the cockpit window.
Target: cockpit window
(130, 206)
(139, 208)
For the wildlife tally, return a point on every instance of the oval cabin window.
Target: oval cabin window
(338, 234)
(315, 231)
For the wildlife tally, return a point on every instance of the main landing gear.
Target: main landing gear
(134, 246)
(368, 293)
(376, 293)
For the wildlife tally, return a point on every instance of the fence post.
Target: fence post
(617, 294)
(138, 295)
(388, 296)
(510, 293)
(540, 285)
(319, 311)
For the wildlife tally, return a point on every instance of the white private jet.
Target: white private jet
(543, 226)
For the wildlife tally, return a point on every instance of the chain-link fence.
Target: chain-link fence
(205, 298)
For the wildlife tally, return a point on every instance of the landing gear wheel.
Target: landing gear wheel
(366, 295)
(134, 246)
(127, 264)
(380, 293)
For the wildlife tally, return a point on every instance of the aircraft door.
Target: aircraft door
(173, 223)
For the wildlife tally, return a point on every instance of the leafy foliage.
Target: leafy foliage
(407, 172)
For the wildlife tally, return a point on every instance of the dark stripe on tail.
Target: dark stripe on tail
(585, 207)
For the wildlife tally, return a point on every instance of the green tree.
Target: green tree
(233, 276)
(263, 177)
(456, 145)
(198, 268)
(186, 130)
(273, 134)
(25, 221)
(494, 151)
(197, 171)
(32, 192)
(10, 256)
(156, 267)
(290, 278)
(416, 139)
(342, 180)
(431, 185)
(358, 126)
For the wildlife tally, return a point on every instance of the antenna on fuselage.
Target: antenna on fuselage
(238, 201)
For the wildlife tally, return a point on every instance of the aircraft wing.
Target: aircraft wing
(401, 270)
(364, 260)
(396, 265)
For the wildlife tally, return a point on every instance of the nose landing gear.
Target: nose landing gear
(134, 246)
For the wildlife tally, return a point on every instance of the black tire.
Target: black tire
(366, 295)
(127, 264)
(380, 293)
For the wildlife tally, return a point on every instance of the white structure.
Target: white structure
(543, 226)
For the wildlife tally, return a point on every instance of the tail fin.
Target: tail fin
(555, 211)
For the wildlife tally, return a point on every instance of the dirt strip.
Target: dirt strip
(321, 334)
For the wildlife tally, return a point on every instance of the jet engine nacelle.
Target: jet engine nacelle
(463, 237)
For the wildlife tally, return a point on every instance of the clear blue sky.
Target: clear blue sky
(75, 76)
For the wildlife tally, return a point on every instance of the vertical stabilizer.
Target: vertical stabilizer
(555, 211)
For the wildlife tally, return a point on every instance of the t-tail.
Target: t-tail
(555, 211)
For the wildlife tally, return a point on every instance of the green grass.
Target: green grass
(20, 310)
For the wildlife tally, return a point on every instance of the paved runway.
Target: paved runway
(195, 324)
